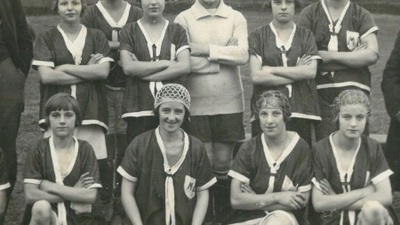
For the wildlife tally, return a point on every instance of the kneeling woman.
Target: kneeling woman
(351, 172)
(166, 173)
(271, 174)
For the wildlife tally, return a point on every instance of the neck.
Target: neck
(171, 136)
(211, 5)
(63, 142)
(344, 143)
(278, 140)
(112, 3)
(283, 26)
(336, 4)
(71, 27)
(152, 20)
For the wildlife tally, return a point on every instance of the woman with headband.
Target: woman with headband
(271, 174)
(351, 184)
(166, 173)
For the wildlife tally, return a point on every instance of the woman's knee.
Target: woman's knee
(280, 218)
(41, 212)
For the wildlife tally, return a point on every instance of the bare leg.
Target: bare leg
(42, 214)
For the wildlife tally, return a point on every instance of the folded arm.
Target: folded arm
(73, 194)
(261, 75)
(133, 67)
(382, 194)
(364, 55)
(52, 76)
(34, 194)
(242, 197)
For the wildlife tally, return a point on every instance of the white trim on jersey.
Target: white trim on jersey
(32, 181)
(126, 175)
(381, 176)
(181, 49)
(207, 185)
(344, 84)
(238, 176)
(138, 114)
(122, 21)
(105, 59)
(370, 31)
(95, 122)
(42, 63)
(304, 188)
(305, 116)
(5, 186)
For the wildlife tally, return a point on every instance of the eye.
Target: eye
(54, 114)
(165, 110)
(262, 114)
(360, 117)
(276, 113)
(69, 114)
(179, 111)
(346, 116)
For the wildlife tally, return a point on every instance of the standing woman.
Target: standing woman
(283, 57)
(153, 51)
(166, 173)
(110, 16)
(73, 59)
(351, 184)
(271, 174)
(346, 38)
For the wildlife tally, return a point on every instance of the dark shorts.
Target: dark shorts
(218, 128)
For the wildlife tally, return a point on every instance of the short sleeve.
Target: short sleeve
(255, 44)
(310, 43)
(181, 39)
(4, 184)
(33, 173)
(126, 40)
(367, 23)
(241, 167)
(379, 167)
(91, 164)
(42, 52)
(204, 175)
(305, 18)
(102, 46)
(129, 168)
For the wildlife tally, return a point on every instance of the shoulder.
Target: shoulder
(323, 145)
(370, 143)
(358, 9)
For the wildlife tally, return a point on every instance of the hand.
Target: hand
(362, 46)
(95, 58)
(304, 60)
(233, 42)
(245, 188)
(85, 181)
(294, 200)
(326, 187)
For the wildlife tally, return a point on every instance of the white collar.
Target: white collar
(122, 21)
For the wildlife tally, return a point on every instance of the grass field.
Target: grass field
(29, 131)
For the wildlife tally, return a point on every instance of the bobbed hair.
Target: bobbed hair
(298, 4)
(83, 2)
(274, 99)
(63, 101)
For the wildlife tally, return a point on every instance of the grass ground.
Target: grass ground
(29, 131)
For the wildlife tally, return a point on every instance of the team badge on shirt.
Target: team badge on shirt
(352, 39)
(288, 185)
(189, 186)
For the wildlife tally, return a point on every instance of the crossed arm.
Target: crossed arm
(325, 199)
(366, 54)
(156, 70)
(243, 197)
(54, 193)
(279, 75)
(69, 74)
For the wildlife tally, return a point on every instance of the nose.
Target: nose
(171, 117)
(69, 5)
(353, 122)
(284, 5)
(269, 119)
(62, 119)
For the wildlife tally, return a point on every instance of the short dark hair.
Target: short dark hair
(62, 101)
(83, 2)
(298, 4)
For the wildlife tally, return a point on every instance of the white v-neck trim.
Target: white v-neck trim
(122, 21)
(271, 161)
(54, 159)
(335, 28)
(150, 43)
(279, 43)
(167, 168)
(350, 169)
(75, 47)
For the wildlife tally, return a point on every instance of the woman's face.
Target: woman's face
(272, 122)
(62, 123)
(171, 116)
(283, 10)
(153, 8)
(69, 10)
(352, 120)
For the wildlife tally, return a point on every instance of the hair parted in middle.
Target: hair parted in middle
(350, 97)
(274, 99)
(62, 101)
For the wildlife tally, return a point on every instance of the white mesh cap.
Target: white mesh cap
(173, 92)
